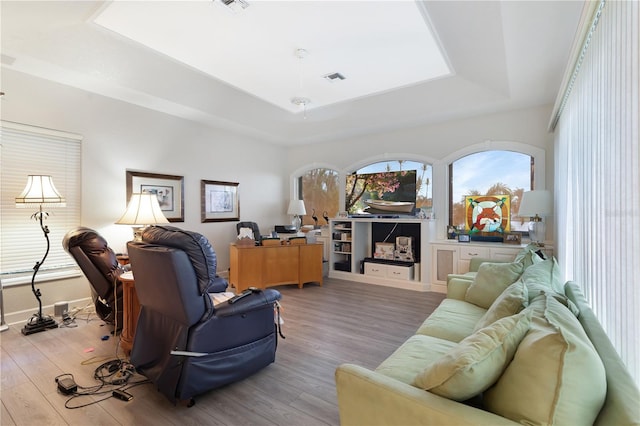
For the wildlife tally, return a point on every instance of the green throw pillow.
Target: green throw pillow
(511, 301)
(477, 361)
(556, 375)
(490, 281)
(541, 275)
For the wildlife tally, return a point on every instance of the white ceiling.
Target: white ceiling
(199, 61)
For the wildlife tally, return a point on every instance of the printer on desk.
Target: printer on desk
(285, 229)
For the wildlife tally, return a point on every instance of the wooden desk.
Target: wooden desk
(268, 266)
(131, 309)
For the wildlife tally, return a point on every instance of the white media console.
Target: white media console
(352, 246)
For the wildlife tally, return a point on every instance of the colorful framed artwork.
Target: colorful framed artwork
(219, 201)
(168, 188)
(487, 214)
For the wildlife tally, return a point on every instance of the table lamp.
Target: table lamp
(296, 208)
(143, 210)
(536, 205)
(39, 190)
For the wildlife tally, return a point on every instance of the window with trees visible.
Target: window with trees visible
(319, 189)
(378, 179)
(490, 173)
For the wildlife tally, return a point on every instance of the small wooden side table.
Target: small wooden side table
(131, 309)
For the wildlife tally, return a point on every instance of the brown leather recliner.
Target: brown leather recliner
(100, 265)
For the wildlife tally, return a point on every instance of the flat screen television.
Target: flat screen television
(383, 193)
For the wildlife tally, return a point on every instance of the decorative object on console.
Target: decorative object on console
(296, 208)
(536, 204)
(404, 249)
(219, 201)
(40, 190)
(384, 251)
(512, 238)
(143, 210)
(464, 238)
(487, 214)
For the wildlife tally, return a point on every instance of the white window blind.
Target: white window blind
(597, 174)
(26, 150)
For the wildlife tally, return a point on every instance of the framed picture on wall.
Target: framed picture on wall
(219, 201)
(168, 188)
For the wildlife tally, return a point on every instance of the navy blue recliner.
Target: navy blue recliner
(184, 344)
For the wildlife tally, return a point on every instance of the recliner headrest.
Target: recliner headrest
(195, 245)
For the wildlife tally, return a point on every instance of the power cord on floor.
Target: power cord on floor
(68, 321)
(115, 377)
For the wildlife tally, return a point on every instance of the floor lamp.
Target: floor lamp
(39, 190)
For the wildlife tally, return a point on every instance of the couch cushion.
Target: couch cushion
(556, 376)
(492, 279)
(412, 356)
(452, 320)
(477, 361)
(510, 302)
(529, 255)
(543, 275)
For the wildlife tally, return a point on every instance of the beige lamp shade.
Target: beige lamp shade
(40, 190)
(143, 209)
(535, 203)
(296, 207)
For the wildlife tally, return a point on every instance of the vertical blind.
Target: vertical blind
(598, 180)
(26, 150)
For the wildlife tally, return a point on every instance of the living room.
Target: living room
(118, 135)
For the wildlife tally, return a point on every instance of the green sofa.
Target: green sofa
(497, 351)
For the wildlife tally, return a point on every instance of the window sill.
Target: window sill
(22, 279)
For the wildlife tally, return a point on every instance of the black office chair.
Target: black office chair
(183, 343)
(252, 225)
(99, 264)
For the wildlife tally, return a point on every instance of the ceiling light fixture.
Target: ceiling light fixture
(301, 100)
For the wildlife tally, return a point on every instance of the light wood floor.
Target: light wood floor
(324, 326)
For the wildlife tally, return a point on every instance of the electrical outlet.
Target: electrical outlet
(60, 308)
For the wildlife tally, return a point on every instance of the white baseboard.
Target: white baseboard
(21, 317)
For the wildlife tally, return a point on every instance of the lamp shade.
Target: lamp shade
(296, 207)
(40, 190)
(535, 203)
(143, 209)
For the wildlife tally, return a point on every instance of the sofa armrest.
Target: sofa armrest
(368, 398)
(457, 286)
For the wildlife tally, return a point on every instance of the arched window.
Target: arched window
(319, 189)
(402, 185)
(490, 173)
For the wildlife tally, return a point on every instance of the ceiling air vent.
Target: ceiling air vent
(336, 76)
(235, 5)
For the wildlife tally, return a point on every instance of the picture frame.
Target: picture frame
(512, 238)
(168, 188)
(219, 201)
(452, 232)
(464, 238)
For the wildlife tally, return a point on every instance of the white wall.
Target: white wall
(438, 143)
(120, 136)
